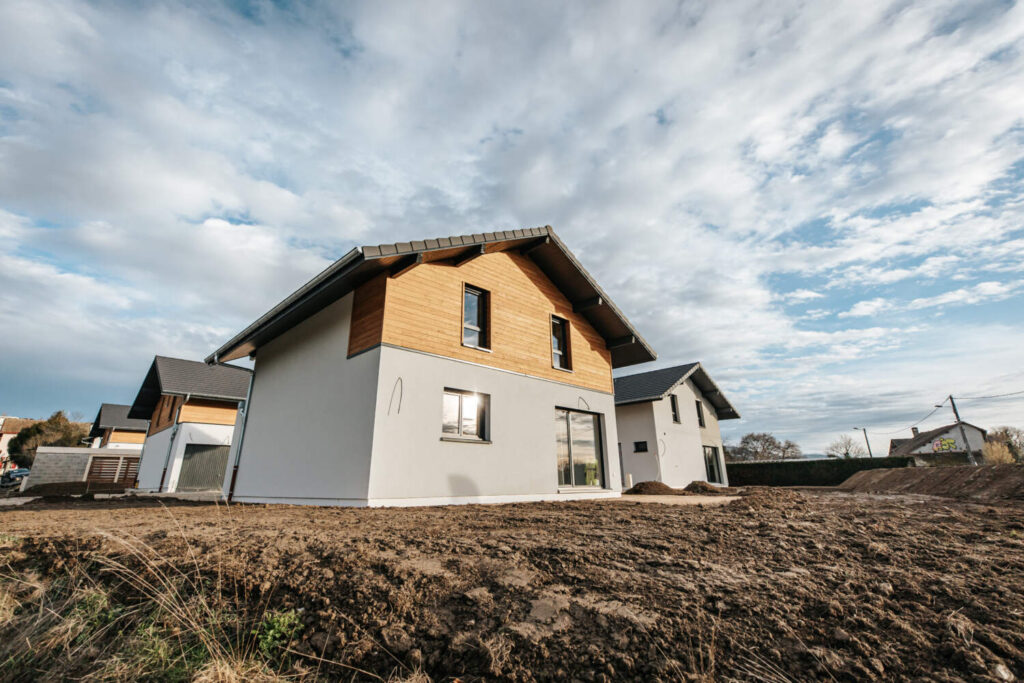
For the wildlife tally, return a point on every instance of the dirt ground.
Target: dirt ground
(775, 586)
(985, 483)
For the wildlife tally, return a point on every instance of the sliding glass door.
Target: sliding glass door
(578, 448)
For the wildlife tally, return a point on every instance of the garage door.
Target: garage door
(113, 470)
(202, 468)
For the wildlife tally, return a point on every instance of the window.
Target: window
(560, 343)
(675, 407)
(578, 448)
(639, 446)
(712, 465)
(474, 318)
(464, 415)
(700, 414)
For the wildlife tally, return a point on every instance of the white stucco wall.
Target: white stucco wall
(676, 450)
(309, 432)
(154, 454)
(190, 433)
(411, 465)
(975, 438)
(129, 446)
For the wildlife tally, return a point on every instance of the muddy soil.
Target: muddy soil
(696, 488)
(986, 483)
(778, 585)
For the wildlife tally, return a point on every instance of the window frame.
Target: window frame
(701, 422)
(483, 417)
(713, 452)
(484, 310)
(566, 353)
(640, 447)
(673, 402)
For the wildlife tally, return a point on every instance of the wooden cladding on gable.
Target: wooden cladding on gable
(422, 310)
(164, 414)
(121, 436)
(196, 410)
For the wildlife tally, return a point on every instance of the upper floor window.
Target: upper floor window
(674, 401)
(700, 414)
(560, 343)
(475, 330)
(464, 415)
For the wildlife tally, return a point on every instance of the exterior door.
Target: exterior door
(578, 448)
(712, 465)
(202, 467)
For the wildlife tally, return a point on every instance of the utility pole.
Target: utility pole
(865, 430)
(963, 434)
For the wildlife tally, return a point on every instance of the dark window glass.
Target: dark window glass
(639, 446)
(578, 448)
(700, 414)
(474, 317)
(560, 343)
(712, 465)
(675, 408)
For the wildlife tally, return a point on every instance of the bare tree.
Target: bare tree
(1012, 438)
(845, 447)
(790, 451)
(762, 446)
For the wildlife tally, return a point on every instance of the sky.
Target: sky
(821, 202)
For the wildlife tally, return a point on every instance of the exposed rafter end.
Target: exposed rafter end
(469, 255)
(620, 342)
(404, 264)
(536, 244)
(586, 304)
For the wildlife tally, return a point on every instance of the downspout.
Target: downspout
(170, 444)
(241, 436)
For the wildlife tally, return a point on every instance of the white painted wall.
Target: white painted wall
(975, 438)
(411, 465)
(154, 453)
(676, 454)
(129, 446)
(309, 432)
(190, 433)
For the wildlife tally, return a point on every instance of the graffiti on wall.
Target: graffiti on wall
(942, 445)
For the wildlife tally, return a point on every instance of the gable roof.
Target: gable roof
(363, 263)
(908, 446)
(115, 416)
(13, 425)
(656, 384)
(182, 377)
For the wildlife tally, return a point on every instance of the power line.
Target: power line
(903, 429)
(978, 398)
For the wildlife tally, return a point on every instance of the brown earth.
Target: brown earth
(775, 586)
(987, 483)
(696, 488)
(71, 488)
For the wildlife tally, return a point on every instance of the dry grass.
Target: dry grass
(997, 453)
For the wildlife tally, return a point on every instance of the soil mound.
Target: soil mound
(695, 488)
(705, 489)
(990, 482)
(652, 488)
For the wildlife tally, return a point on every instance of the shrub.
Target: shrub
(997, 453)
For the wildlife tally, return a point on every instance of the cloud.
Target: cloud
(168, 172)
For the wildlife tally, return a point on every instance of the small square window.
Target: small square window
(700, 414)
(560, 343)
(639, 446)
(475, 305)
(674, 401)
(464, 415)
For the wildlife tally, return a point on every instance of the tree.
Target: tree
(1012, 438)
(762, 446)
(845, 447)
(57, 430)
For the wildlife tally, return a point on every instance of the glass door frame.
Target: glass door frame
(598, 448)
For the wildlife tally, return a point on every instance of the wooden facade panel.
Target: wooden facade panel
(120, 436)
(423, 311)
(367, 315)
(209, 412)
(164, 414)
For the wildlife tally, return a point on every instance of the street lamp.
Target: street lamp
(865, 430)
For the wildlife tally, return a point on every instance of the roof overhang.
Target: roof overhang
(148, 396)
(360, 265)
(708, 389)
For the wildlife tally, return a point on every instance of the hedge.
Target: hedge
(829, 472)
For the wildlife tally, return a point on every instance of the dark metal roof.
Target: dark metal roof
(115, 416)
(656, 384)
(361, 264)
(908, 446)
(188, 378)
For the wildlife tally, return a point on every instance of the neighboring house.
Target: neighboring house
(191, 408)
(456, 370)
(114, 429)
(9, 428)
(97, 468)
(942, 445)
(668, 426)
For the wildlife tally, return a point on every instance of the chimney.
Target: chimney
(914, 430)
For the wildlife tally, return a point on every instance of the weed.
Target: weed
(276, 631)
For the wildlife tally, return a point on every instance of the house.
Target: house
(191, 408)
(91, 469)
(9, 428)
(114, 429)
(941, 446)
(465, 369)
(668, 426)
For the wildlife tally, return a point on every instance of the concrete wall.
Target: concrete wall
(676, 450)
(154, 454)
(411, 465)
(58, 465)
(309, 432)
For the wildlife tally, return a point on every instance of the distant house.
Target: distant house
(114, 429)
(668, 426)
(942, 445)
(191, 408)
(464, 369)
